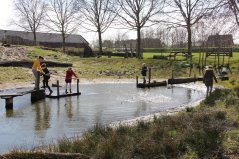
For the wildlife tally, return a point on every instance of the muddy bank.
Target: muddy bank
(28, 64)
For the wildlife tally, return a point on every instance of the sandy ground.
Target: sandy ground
(12, 85)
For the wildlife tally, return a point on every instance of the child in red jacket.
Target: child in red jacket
(69, 74)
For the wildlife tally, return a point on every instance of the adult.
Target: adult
(208, 79)
(36, 70)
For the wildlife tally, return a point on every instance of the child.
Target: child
(46, 77)
(144, 72)
(69, 74)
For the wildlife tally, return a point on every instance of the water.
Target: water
(29, 125)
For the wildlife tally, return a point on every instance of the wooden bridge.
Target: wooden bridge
(36, 95)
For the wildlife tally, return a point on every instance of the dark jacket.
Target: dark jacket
(144, 71)
(208, 77)
(46, 75)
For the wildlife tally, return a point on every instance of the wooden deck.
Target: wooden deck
(35, 96)
(11, 95)
(62, 95)
(153, 84)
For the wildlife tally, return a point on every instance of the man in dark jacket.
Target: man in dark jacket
(208, 79)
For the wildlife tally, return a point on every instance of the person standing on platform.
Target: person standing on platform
(36, 69)
(68, 79)
(144, 72)
(208, 79)
(46, 77)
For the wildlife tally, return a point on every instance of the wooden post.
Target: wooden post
(9, 103)
(218, 65)
(37, 95)
(205, 60)
(149, 75)
(58, 88)
(137, 81)
(78, 80)
(223, 58)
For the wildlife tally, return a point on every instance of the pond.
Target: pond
(29, 125)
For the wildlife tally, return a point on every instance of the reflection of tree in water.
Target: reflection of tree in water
(189, 95)
(68, 107)
(141, 109)
(42, 120)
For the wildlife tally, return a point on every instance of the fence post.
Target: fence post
(78, 80)
(137, 81)
(149, 75)
(58, 88)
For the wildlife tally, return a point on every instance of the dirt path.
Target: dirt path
(54, 78)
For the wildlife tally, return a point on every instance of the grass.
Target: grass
(15, 74)
(210, 130)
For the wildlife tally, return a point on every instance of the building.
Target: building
(52, 40)
(220, 40)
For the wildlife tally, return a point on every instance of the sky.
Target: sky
(7, 13)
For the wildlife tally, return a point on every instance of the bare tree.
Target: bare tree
(31, 14)
(187, 13)
(62, 18)
(233, 5)
(99, 15)
(136, 13)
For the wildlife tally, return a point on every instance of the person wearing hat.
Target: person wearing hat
(208, 79)
(36, 70)
(144, 72)
(46, 77)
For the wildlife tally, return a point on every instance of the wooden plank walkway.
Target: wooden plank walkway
(35, 95)
(15, 94)
(154, 84)
(63, 95)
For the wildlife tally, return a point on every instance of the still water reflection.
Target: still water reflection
(30, 125)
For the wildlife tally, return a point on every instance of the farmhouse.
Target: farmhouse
(51, 40)
(220, 40)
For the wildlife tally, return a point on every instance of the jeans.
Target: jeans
(46, 85)
(37, 78)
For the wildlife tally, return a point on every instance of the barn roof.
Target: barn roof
(44, 37)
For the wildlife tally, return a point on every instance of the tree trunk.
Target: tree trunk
(190, 47)
(35, 37)
(189, 39)
(139, 43)
(100, 43)
(63, 43)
